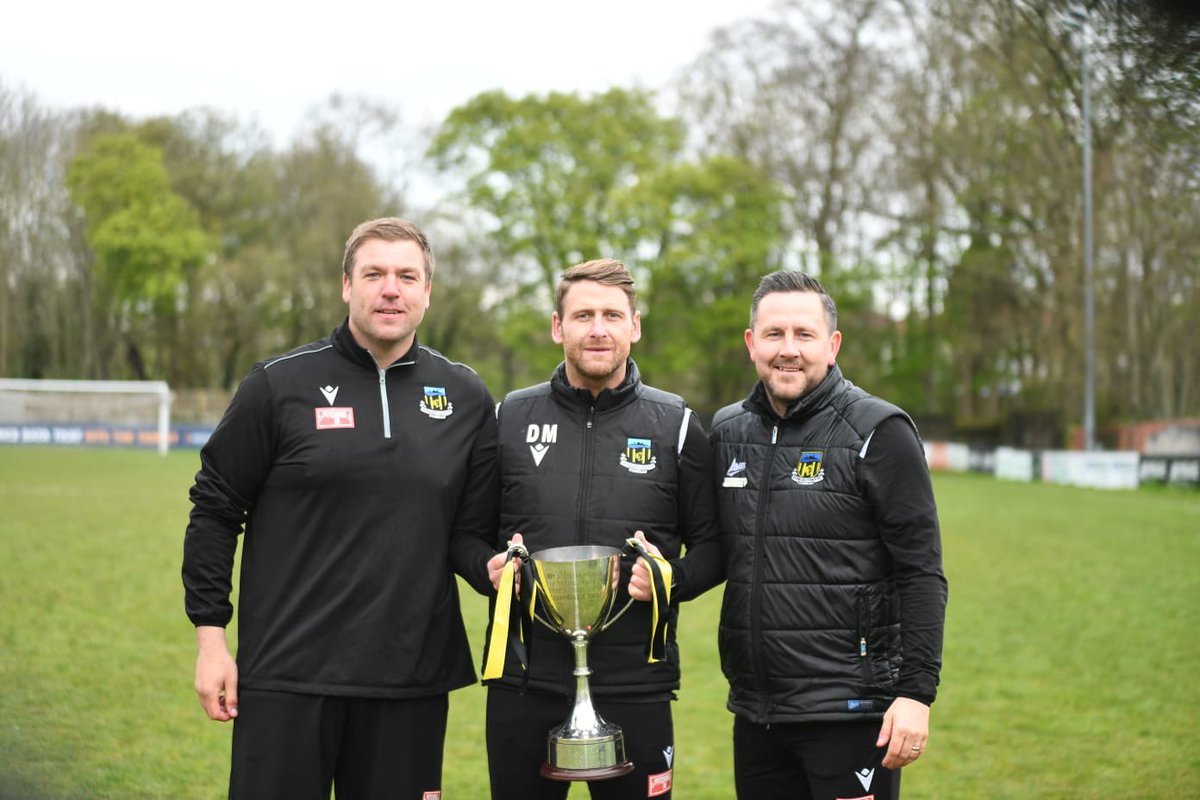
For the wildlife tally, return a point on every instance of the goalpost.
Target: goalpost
(53, 403)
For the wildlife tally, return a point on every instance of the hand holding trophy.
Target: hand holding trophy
(575, 592)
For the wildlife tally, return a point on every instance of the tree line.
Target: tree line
(922, 158)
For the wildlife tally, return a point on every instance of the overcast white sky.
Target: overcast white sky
(271, 62)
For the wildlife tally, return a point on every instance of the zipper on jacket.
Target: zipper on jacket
(764, 492)
(864, 629)
(383, 401)
(585, 478)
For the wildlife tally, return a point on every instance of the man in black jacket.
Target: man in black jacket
(363, 467)
(594, 457)
(831, 626)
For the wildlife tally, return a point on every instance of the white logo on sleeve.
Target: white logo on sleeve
(669, 754)
(539, 438)
(330, 393)
(865, 776)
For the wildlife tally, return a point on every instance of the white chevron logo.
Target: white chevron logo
(865, 776)
(330, 393)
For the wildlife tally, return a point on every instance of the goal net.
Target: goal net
(123, 413)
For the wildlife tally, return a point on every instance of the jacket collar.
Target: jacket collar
(804, 407)
(345, 343)
(608, 398)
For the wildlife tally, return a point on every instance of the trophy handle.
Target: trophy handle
(611, 620)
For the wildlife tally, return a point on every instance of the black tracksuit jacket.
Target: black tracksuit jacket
(360, 490)
(835, 597)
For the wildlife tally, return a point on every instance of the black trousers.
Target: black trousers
(296, 746)
(811, 761)
(517, 729)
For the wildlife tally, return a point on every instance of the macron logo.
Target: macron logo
(865, 776)
(539, 438)
(330, 393)
(735, 468)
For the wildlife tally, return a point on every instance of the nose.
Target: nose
(790, 345)
(391, 286)
(598, 330)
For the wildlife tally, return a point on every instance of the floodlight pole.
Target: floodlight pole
(1080, 13)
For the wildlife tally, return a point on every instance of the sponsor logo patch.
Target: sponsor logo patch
(435, 403)
(330, 393)
(639, 456)
(432, 795)
(334, 418)
(860, 705)
(734, 479)
(864, 797)
(865, 776)
(810, 468)
(658, 784)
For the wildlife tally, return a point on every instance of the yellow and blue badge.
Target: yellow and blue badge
(435, 403)
(810, 468)
(639, 456)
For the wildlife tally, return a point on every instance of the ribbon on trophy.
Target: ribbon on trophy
(660, 598)
(512, 602)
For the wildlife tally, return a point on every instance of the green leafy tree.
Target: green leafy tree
(144, 239)
(546, 171)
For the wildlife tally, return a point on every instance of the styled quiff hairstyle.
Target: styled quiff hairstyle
(793, 281)
(606, 271)
(389, 229)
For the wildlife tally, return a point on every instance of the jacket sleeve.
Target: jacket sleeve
(234, 464)
(473, 539)
(702, 565)
(900, 492)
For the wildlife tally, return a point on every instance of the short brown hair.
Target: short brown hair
(389, 229)
(606, 271)
(792, 281)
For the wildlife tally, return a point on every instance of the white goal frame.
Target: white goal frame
(156, 388)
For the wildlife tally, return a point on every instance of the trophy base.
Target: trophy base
(593, 774)
(573, 755)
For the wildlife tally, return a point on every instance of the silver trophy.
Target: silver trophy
(576, 589)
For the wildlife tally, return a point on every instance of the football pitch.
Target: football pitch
(1072, 645)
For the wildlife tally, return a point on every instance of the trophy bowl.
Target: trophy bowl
(575, 586)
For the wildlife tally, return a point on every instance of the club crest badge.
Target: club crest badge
(810, 468)
(639, 456)
(435, 403)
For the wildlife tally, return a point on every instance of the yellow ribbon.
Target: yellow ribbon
(665, 567)
(498, 643)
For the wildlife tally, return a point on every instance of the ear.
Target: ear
(556, 332)
(636, 335)
(835, 344)
(749, 336)
(428, 290)
(345, 288)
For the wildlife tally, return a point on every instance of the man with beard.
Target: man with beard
(831, 625)
(593, 457)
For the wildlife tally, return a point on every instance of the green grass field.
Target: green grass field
(1070, 664)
